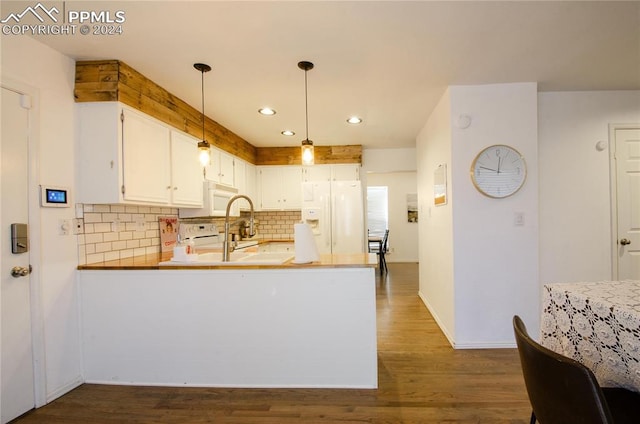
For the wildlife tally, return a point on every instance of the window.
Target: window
(377, 210)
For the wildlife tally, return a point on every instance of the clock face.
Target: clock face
(498, 171)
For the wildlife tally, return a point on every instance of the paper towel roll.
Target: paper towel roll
(305, 246)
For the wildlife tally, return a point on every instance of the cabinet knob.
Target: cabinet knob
(168, 187)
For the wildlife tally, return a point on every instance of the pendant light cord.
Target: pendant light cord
(202, 85)
(306, 105)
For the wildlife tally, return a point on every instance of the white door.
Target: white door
(17, 395)
(627, 157)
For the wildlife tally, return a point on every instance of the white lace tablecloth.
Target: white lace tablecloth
(598, 324)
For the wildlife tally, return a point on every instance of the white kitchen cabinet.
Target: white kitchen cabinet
(316, 173)
(338, 172)
(245, 179)
(186, 171)
(279, 187)
(221, 168)
(146, 157)
(125, 156)
(345, 172)
(250, 183)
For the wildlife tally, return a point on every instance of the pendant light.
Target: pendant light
(307, 145)
(203, 145)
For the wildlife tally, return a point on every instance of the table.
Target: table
(597, 324)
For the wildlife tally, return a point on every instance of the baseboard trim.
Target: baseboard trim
(63, 390)
(473, 345)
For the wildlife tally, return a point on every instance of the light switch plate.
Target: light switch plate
(64, 225)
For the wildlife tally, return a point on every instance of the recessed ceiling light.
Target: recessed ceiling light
(266, 111)
(288, 133)
(354, 120)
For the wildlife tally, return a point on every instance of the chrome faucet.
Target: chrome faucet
(227, 247)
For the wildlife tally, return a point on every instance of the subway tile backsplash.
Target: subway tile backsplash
(122, 231)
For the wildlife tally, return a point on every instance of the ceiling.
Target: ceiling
(388, 62)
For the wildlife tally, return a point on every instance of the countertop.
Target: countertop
(147, 262)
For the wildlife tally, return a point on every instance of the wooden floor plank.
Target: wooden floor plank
(421, 380)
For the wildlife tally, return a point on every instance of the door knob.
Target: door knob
(20, 271)
(625, 241)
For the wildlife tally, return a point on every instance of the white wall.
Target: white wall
(51, 74)
(389, 160)
(403, 235)
(435, 225)
(575, 214)
(495, 263)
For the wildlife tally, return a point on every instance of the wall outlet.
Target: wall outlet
(518, 219)
(138, 220)
(78, 226)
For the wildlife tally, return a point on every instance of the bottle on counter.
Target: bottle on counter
(191, 246)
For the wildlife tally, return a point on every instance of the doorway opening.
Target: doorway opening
(377, 209)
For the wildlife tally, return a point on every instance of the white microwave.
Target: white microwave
(216, 198)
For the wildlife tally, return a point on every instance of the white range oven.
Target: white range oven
(205, 235)
(216, 198)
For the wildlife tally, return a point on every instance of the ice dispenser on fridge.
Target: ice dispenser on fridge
(312, 216)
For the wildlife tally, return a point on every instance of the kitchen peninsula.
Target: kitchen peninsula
(289, 325)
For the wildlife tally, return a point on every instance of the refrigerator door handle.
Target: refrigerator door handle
(327, 225)
(334, 223)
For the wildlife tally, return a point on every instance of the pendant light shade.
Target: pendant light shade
(203, 146)
(307, 145)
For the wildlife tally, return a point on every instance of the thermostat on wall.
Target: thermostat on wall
(54, 197)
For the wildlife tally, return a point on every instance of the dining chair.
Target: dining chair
(382, 250)
(564, 391)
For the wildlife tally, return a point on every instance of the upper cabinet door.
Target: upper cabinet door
(346, 172)
(316, 173)
(220, 169)
(270, 188)
(339, 172)
(186, 171)
(226, 169)
(146, 159)
(280, 187)
(291, 187)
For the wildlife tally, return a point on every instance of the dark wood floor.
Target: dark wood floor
(421, 380)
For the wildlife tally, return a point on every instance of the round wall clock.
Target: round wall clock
(498, 171)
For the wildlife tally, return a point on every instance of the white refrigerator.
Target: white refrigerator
(335, 212)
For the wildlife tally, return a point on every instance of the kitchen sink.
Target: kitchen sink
(245, 244)
(236, 258)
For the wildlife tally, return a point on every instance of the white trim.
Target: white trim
(35, 254)
(613, 181)
(474, 345)
(63, 390)
(437, 320)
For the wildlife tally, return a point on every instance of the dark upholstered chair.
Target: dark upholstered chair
(563, 391)
(380, 248)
